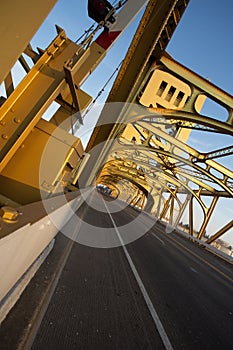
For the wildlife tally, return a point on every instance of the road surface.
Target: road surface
(159, 291)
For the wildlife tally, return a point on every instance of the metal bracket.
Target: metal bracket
(72, 86)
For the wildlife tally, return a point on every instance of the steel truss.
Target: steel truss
(172, 170)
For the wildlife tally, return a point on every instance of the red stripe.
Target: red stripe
(107, 38)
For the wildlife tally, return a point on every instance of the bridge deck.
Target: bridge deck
(93, 298)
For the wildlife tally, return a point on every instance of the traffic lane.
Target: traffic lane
(132, 223)
(190, 301)
(214, 266)
(97, 303)
(97, 229)
(216, 262)
(164, 337)
(158, 230)
(209, 291)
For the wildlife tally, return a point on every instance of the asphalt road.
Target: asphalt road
(159, 291)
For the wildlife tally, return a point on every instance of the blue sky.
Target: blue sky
(202, 42)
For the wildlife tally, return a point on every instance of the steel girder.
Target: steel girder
(171, 165)
(162, 148)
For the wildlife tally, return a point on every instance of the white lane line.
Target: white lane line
(153, 234)
(158, 323)
(192, 269)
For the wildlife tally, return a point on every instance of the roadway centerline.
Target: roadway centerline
(156, 319)
(153, 234)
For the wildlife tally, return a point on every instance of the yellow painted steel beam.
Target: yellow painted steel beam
(123, 151)
(179, 163)
(158, 174)
(8, 82)
(157, 16)
(19, 21)
(25, 106)
(155, 169)
(161, 115)
(182, 209)
(208, 216)
(227, 174)
(191, 216)
(157, 177)
(209, 89)
(147, 42)
(43, 165)
(165, 207)
(218, 234)
(43, 84)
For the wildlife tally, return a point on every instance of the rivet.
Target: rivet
(2, 122)
(5, 136)
(17, 120)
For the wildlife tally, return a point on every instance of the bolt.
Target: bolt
(17, 120)
(63, 36)
(9, 214)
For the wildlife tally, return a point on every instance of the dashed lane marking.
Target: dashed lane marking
(192, 269)
(153, 234)
(164, 337)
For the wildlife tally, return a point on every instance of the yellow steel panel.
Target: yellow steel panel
(19, 21)
(220, 95)
(37, 165)
(153, 95)
(25, 106)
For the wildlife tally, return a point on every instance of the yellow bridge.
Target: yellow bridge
(139, 189)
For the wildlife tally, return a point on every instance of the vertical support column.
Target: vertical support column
(165, 208)
(182, 209)
(207, 217)
(171, 211)
(230, 117)
(9, 86)
(155, 195)
(159, 205)
(191, 216)
(149, 203)
(134, 199)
